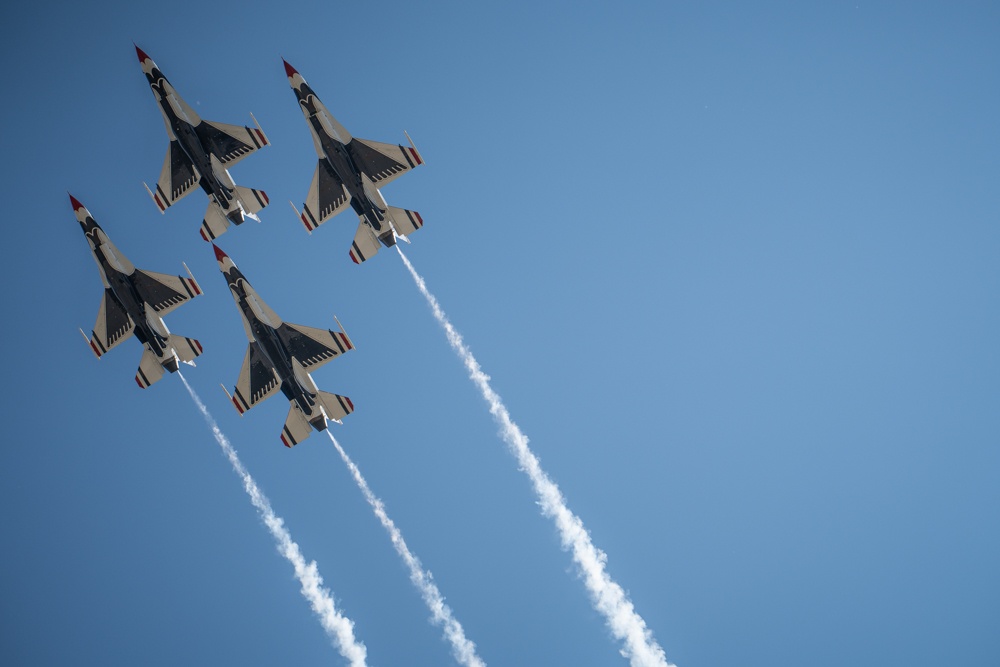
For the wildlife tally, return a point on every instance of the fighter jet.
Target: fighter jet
(199, 153)
(134, 302)
(280, 356)
(349, 172)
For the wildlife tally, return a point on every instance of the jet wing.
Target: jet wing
(327, 197)
(313, 347)
(113, 325)
(384, 162)
(164, 293)
(177, 178)
(229, 143)
(257, 380)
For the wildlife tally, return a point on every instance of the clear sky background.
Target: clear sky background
(732, 268)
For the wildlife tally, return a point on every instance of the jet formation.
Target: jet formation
(349, 172)
(199, 153)
(279, 357)
(134, 303)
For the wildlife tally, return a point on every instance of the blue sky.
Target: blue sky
(733, 269)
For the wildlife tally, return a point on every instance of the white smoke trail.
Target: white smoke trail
(339, 628)
(607, 596)
(462, 648)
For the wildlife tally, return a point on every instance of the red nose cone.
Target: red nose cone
(219, 255)
(75, 202)
(289, 70)
(142, 55)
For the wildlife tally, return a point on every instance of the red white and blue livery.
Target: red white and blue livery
(349, 173)
(134, 303)
(200, 153)
(280, 357)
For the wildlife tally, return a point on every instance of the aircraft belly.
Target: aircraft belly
(358, 207)
(270, 348)
(287, 389)
(341, 164)
(132, 307)
(149, 339)
(290, 385)
(297, 396)
(275, 361)
(195, 153)
(192, 147)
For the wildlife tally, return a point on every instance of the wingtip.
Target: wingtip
(219, 255)
(289, 70)
(142, 54)
(75, 202)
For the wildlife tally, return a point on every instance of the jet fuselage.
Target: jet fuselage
(123, 287)
(337, 157)
(183, 130)
(271, 347)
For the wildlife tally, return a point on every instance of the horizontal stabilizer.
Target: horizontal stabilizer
(405, 222)
(150, 370)
(296, 428)
(253, 200)
(336, 407)
(365, 243)
(257, 380)
(215, 223)
(313, 347)
(186, 348)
